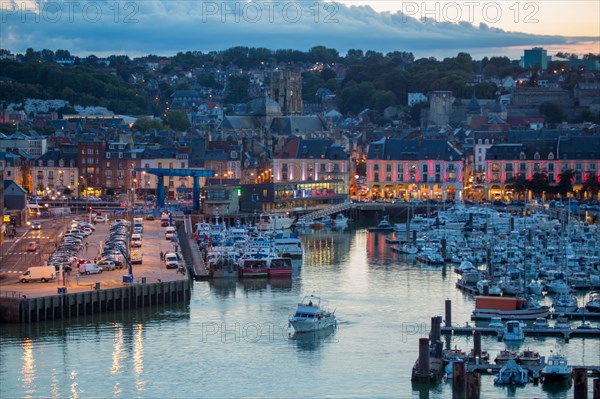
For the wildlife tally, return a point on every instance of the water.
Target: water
(233, 338)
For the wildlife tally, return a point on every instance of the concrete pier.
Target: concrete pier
(63, 306)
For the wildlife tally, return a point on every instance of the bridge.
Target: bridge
(160, 188)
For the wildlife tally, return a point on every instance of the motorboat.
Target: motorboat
(562, 322)
(290, 245)
(274, 221)
(511, 374)
(504, 356)
(253, 267)
(593, 305)
(464, 266)
(409, 249)
(312, 315)
(340, 220)
(558, 286)
(452, 356)
(529, 358)
(540, 323)
(556, 369)
(513, 331)
(565, 303)
(489, 286)
(496, 323)
(384, 226)
(535, 287)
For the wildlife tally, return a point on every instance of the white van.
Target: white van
(136, 240)
(171, 260)
(41, 273)
(89, 268)
(170, 232)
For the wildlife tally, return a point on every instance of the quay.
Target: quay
(534, 370)
(110, 291)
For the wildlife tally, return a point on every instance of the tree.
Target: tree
(146, 124)
(552, 112)
(519, 185)
(565, 182)
(539, 184)
(178, 121)
(591, 184)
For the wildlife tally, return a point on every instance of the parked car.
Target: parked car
(89, 268)
(100, 219)
(107, 264)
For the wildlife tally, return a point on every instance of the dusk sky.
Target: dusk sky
(430, 28)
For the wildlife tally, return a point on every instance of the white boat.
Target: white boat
(513, 331)
(565, 303)
(557, 369)
(274, 221)
(535, 288)
(290, 245)
(340, 221)
(409, 249)
(558, 286)
(511, 374)
(593, 304)
(496, 323)
(492, 289)
(562, 322)
(312, 315)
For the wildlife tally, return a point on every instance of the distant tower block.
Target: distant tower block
(440, 107)
(286, 89)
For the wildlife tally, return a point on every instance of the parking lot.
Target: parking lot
(152, 269)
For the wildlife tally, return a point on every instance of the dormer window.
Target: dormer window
(551, 156)
(536, 156)
(108, 155)
(51, 163)
(522, 156)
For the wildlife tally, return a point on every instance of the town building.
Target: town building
(414, 169)
(536, 57)
(55, 174)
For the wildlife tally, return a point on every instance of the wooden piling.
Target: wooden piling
(423, 357)
(458, 380)
(477, 344)
(473, 385)
(597, 388)
(448, 313)
(580, 388)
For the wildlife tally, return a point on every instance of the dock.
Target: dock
(534, 370)
(194, 260)
(566, 333)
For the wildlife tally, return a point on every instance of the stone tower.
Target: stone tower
(440, 107)
(286, 90)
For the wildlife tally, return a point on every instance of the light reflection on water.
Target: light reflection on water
(233, 340)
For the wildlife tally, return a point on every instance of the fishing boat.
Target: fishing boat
(535, 288)
(279, 266)
(312, 315)
(511, 374)
(250, 266)
(529, 358)
(556, 369)
(489, 286)
(487, 307)
(384, 226)
(450, 357)
(504, 356)
(223, 266)
(288, 245)
(513, 331)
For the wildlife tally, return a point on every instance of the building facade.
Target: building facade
(414, 169)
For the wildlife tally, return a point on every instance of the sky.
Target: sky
(426, 28)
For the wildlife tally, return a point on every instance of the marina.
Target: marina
(357, 271)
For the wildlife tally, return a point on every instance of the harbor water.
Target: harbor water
(233, 340)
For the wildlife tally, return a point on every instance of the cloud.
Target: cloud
(166, 27)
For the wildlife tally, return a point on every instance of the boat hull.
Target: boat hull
(525, 314)
(254, 273)
(305, 326)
